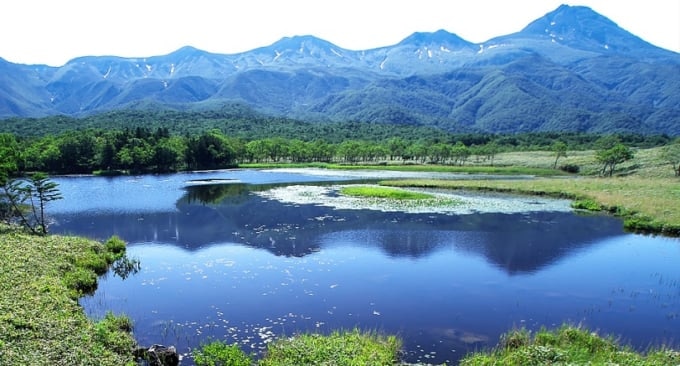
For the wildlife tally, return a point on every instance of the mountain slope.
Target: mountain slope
(570, 70)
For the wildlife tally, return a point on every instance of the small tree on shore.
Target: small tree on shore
(26, 200)
(610, 158)
(671, 154)
(560, 150)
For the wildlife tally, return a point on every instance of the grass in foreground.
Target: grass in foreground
(339, 348)
(41, 322)
(646, 204)
(567, 345)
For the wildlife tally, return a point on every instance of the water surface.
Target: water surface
(235, 261)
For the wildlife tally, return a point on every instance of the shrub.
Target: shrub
(81, 280)
(112, 333)
(570, 168)
(115, 245)
(94, 262)
(586, 204)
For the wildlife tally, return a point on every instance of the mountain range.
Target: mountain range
(570, 70)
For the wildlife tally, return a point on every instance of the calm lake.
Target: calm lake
(247, 256)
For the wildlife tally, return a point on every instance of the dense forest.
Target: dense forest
(169, 141)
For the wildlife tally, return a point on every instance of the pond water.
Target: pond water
(248, 256)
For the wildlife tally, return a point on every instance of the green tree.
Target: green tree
(276, 148)
(211, 150)
(417, 151)
(439, 153)
(43, 191)
(168, 155)
(671, 154)
(460, 153)
(77, 152)
(322, 151)
(559, 148)
(610, 158)
(299, 151)
(9, 154)
(397, 147)
(107, 157)
(27, 200)
(350, 150)
(256, 151)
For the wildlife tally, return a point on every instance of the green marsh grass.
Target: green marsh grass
(340, 348)
(568, 345)
(646, 204)
(383, 192)
(398, 198)
(41, 322)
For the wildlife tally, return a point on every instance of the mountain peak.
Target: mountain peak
(186, 51)
(301, 42)
(570, 20)
(440, 37)
(583, 28)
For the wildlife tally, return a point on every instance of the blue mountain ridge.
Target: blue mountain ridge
(570, 70)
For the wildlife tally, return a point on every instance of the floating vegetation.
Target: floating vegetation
(384, 192)
(373, 197)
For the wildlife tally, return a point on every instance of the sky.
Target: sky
(54, 31)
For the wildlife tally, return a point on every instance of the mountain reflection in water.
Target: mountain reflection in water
(227, 262)
(209, 214)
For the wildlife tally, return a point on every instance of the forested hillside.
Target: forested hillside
(164, 141)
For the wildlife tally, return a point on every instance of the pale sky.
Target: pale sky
(55, 31)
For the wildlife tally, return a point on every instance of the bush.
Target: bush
(218, 353)
(570, 168)
(112, 333)
(586, 204)
(115, 245)
(81, 280)
(94, 262)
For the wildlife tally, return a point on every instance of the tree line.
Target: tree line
(146, 150)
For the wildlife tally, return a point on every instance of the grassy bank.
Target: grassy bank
(646, 205)
(41, 322)
(566, 346)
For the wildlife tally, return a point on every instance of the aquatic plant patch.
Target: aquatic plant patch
(431, 201)
(648, 205)
(384, 192)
